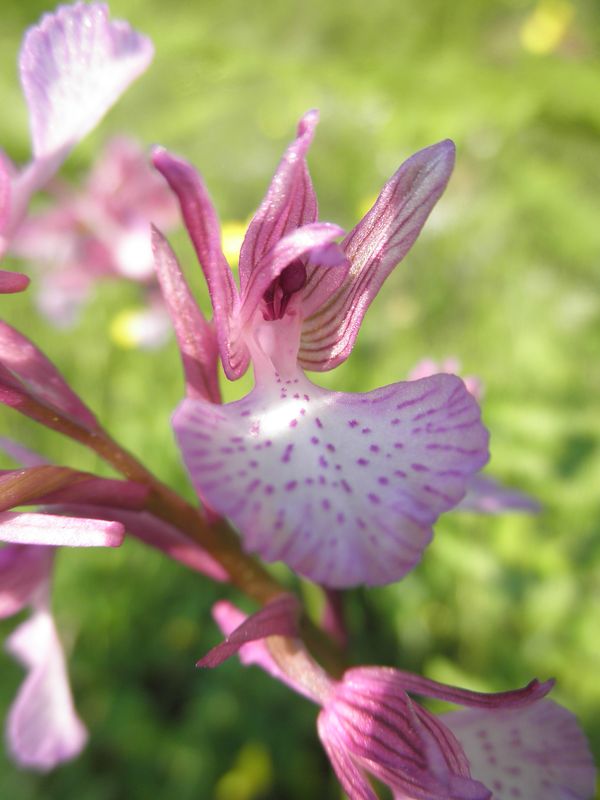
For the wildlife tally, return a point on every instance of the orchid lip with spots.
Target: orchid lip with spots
(344, 488)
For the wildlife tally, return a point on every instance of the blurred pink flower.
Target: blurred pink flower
(43, 728)
(99, 231)
(343, 488)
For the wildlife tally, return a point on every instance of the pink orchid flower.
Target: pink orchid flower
(99, 231)
(73, 65)
(502, 746)
(344, 488)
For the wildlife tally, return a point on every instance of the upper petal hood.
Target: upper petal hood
(374, 247)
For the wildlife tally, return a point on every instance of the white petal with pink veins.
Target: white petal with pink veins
(74, 66)
(43, 729)
(344, 488)
(532, 753)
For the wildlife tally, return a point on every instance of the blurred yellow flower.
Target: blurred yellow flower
(139, 327)
(232, 236)
(544, 29)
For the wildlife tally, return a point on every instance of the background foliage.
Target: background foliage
(505, 278)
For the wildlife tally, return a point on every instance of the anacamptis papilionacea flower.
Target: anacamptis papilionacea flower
(344, 488)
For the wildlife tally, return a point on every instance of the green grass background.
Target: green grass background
(505, 277)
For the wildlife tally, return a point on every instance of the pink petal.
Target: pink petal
(12, 282)
(23, 572)
(26, 373)
(203, 227)
(352, 779)
(290, 201)
(43, 729)
(374, 247)
(343, 488)
(279, 617)
(296, 244)
(152, 531)
(485, 495)
(74, 66)
(196, 338)
(398, 681)
(534, 753)
(45, 529)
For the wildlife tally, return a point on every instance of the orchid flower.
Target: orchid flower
(502, 746)
(344, 488)
(74, 65)
(98, 232)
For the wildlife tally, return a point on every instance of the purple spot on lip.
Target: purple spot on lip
(293, 423)
(326, 505)
(314, 440)
(252, 487)
(318, 422)
(306, 397)
(346, 486)
(296, 396)
(269, 489)
(400, 473)
(374, 448)
(309, 481)
(362, 462)
(253, 463)
(383, 480)
(396, 421)
(291, 486)
(341, 518)
(366, 430)
(420, 467)
(398, 445)
(236, 439)
(323, 462)
(353, 423)
(245, 413)
(287, 453)
(374, 498)
(330, 447)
